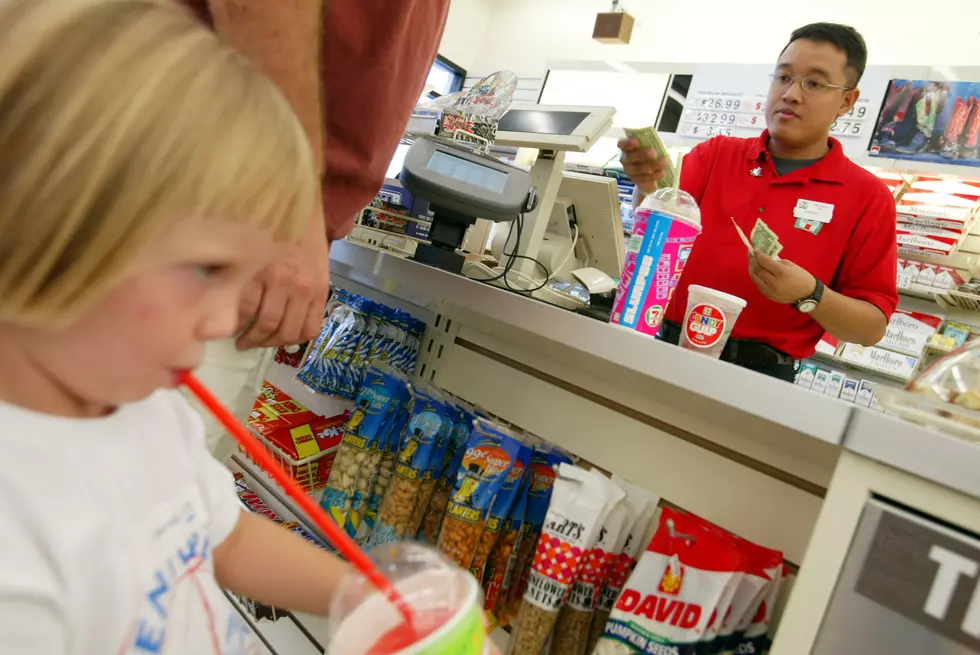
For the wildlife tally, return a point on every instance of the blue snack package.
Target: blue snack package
(503, 557)
(359, 457)
(389, 452)
(432, 517)
(502, 504)
(488, 459)
(419, 440)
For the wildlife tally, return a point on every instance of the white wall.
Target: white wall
(466, 28)
(525, 35)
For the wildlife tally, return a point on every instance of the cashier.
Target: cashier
(835, 220)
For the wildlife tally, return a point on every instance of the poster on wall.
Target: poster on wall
(730, 100)
(929, 121)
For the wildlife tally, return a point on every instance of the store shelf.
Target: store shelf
(917, 293)
(729, 385)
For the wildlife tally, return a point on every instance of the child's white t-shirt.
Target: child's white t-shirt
(107, 529)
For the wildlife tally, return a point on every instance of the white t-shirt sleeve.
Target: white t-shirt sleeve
(32, 619)
(215, 481)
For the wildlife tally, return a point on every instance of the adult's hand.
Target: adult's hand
(284, 304)
(780, 280)
(642, 165)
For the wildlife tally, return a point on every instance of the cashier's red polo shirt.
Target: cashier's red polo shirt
(854, 254)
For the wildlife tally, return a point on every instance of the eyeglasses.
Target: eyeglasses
(808, 84)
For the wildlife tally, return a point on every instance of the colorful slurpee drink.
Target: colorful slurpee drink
(662, 239)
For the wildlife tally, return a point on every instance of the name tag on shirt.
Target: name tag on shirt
(811, 210)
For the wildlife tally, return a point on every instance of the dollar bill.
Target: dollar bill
(648, 139)
(764, 239)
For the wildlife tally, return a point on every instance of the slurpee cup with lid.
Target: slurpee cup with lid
(709, 319)
(446, 601)
(666, 225)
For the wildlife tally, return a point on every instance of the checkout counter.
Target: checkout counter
(881, 516)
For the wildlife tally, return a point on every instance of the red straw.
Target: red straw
(334, 533)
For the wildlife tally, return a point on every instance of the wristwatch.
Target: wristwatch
(808, 304)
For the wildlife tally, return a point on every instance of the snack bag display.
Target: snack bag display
(544, 467)
(415, 452)
(673, 593)
(503, 557)
(640, 505)
(502, 505)
(437, 460)
(275, 410)
(751, 634)
(389, 452)
(579, 503)
(575, 620)
(436, 509)
(763, 567)
(360, 453)
(488, 459)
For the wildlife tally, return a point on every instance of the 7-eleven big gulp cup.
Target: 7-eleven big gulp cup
(709, 320)
(447, 603)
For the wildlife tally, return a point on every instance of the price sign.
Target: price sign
(730, 100)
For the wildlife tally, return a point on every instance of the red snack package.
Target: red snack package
(673, 595)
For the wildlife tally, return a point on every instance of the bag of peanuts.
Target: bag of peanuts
(673, 594)
(502, 505)
(487, 460)
(575, 620)
(640, 506)
(389, 451)
(580, 502)
(544, 467)
(359, 455)
(503, 557)
(437, 462)
(436, 509)
(418, 443)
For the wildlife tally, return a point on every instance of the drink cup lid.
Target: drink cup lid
(718, 295)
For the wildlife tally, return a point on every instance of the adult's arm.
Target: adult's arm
(282, 38)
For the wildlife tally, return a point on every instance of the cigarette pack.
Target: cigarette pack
(916, 212)
(820, 380)
(909, 274)
(836, 384)
(947, 278)
(865, 394)
(927, 274)
(879, 359)
(908, 332)
(849, 391)
(807, 372)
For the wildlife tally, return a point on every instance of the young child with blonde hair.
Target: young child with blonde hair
(144, 170)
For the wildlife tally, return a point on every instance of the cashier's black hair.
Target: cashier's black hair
(844, 37)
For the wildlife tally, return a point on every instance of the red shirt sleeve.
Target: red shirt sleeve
(867, 270)
(376, 57)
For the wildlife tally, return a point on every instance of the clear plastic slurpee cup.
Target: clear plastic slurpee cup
(446, 600)
(666, 225)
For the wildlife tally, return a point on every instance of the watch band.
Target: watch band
(815, 297)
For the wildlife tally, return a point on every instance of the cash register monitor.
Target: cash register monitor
(553, 127)
(600, 223)
(460, 186)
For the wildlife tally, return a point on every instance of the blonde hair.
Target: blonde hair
(119, 118)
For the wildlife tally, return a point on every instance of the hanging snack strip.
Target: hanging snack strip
(579, 503)
(575, 619)
(544, 466)
(436, 509)
(488, 458)
(359, 457)
(502, 504)
(503, 557)
(415, 452)
(641, 506)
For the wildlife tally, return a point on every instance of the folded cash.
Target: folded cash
(764, 239)
(648, 139)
